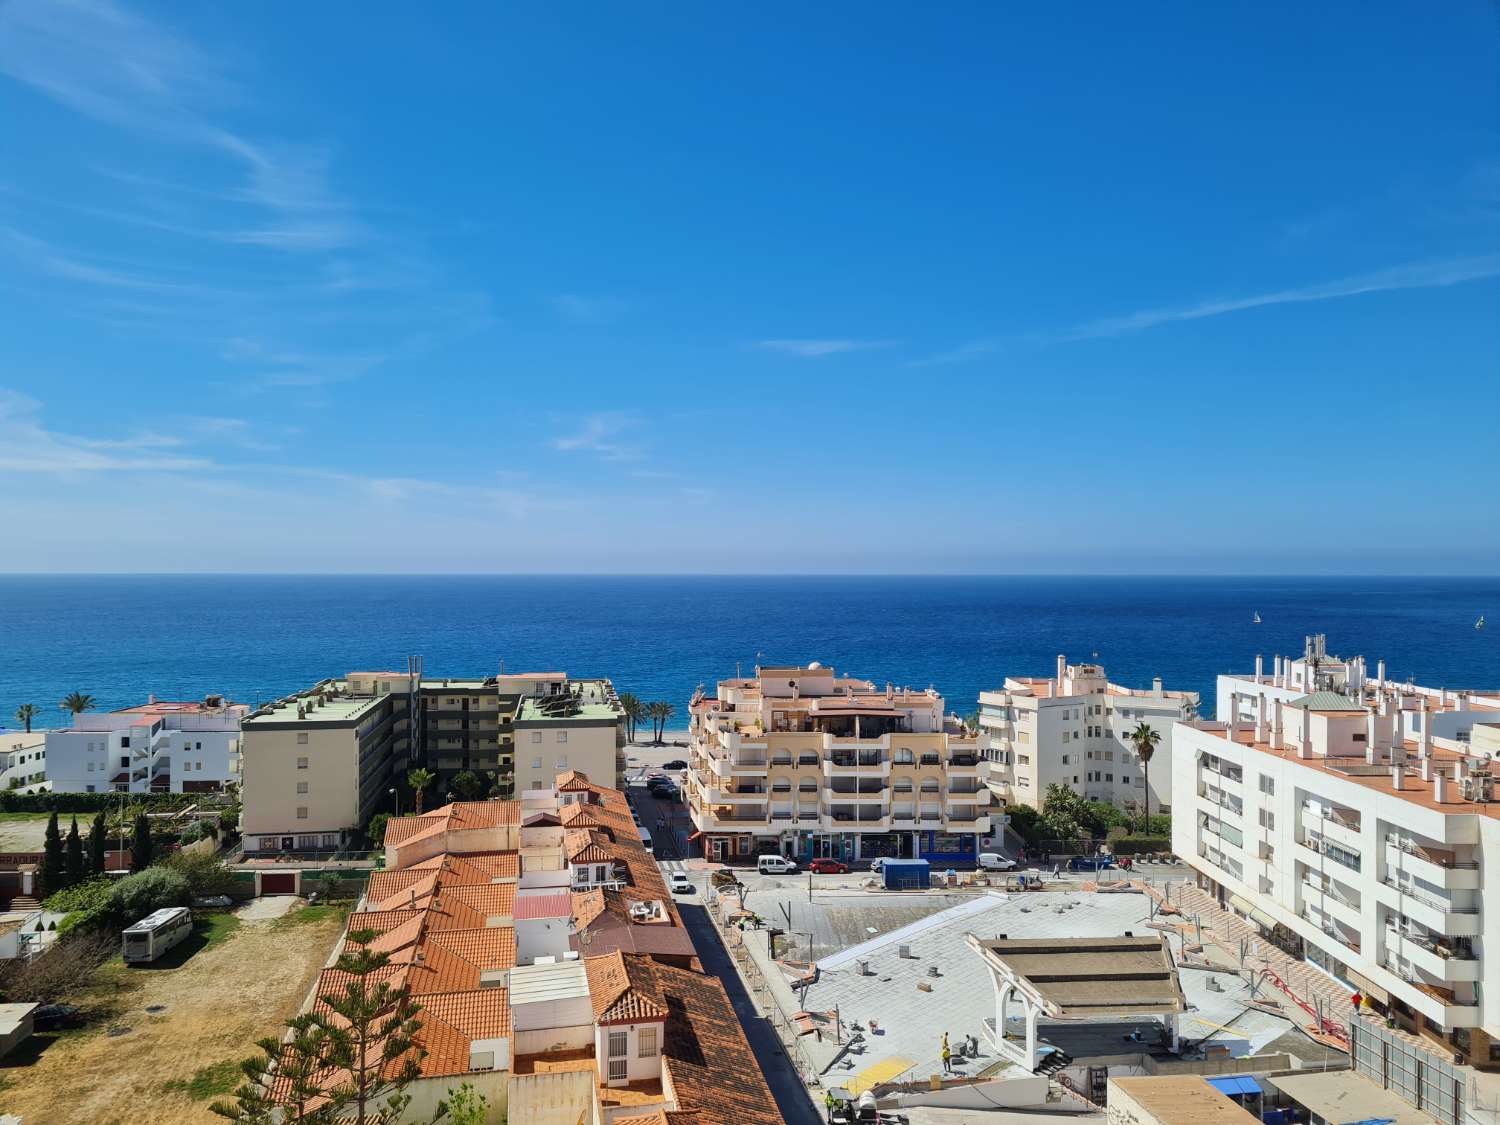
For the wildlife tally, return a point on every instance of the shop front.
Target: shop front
(947, 848)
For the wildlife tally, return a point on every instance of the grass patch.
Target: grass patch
(61, 817)
(212, 1081)
(308, 915)
(215, 928)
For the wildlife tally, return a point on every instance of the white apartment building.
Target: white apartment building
(1073, 729)
(23, 760)
(1355, 823)
(806, 763)
(158, 747)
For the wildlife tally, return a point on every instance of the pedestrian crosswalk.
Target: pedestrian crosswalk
(670, 865)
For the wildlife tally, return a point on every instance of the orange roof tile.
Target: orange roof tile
(623, 991)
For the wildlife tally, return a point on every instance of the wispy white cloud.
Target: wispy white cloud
(974, 349)
(816, 349)
(27, 446)
(599, 435)
(1419, 275)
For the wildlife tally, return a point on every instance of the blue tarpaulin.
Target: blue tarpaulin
(1236, 1086)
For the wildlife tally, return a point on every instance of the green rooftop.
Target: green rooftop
(337, 709)
(540, 711)
(1326, 701)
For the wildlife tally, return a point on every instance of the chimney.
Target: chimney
(151, 698)
(1460, 768)
(1156, 685)
(1262, 724)
(1396, 775)
(1462, 703)
(1439, 788)
(1426, 769)
(1372, 734)
(1304, 747)
(1062, 672)
(1232, 719)
(1380, 672)
(1276, 739)
(1276, 676)
(1424, 742)
(1260, 667)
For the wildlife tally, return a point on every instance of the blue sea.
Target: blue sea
(120, 638)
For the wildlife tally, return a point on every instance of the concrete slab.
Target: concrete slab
(269, 906)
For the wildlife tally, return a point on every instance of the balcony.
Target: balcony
(1431, 865)
(1331, 928)
(1441, 1003)
(1447, 962)
(1326, 895)
(963, 765)
(862, 796)
(852, 765)
(1439, 915)
(1323, 848)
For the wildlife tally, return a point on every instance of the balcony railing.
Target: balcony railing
(1329, 849)
(1350, 941)
(1446, 906)
(1431, 855)
(1436, 948)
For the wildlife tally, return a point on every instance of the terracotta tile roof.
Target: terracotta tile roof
(581, 816)
(492, 948)
(491, 899)
(387, 889)
(474, 868)
(587, 845)
(587, 906)
(547, 904)
(457, 817)
(574, 781)
(477, 1015)
(657, 1118)
(623, 991)
(441, 971)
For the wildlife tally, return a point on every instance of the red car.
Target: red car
(828, 867)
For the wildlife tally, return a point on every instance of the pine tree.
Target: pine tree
(98, 846)
(73, 856)
(375, 1027)
(54, 866)
(140, 849)
(283, 1086)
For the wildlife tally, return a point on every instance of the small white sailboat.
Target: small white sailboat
(1480, 623)
(1257, 618)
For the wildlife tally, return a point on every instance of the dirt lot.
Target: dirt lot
(216, 1004)
(24, 832)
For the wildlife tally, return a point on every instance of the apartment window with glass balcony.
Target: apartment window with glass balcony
(904, 756)
(1267, 786)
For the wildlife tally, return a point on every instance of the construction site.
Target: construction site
(977, 998)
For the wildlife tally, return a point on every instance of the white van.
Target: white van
(775, 865)
(994, 861)
(156, 933)
(646, 839)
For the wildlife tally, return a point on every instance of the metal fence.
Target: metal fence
(1415, 1075)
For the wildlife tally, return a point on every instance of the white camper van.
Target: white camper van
(156, 933)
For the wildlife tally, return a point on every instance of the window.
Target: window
(302, 738)
(645, 1040)
(904, 756)
(562, 761)
(1267, 785)
(125, 741)
(198, 746)
(1065, 737)
(617, 1069)
(1124, 779)
(301, 812)
(301, 763)
(562, 736)
(124, 761)
(1065, 759)
(618, 1044)
(330, 839)
(536, 736)
(90, 789)
(536, 763)
(301, 787)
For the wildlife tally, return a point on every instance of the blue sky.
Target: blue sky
(995, 288)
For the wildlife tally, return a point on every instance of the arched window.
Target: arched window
(807, 785)
(902, 785)
(904, 756)
(929, 785)
(781, 785)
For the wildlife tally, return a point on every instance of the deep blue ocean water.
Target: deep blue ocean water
(257, 638)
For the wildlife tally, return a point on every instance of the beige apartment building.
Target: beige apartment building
(319, 764)
(806, 763)
(1073, 729)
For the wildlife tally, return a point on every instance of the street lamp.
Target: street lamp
(397, 798)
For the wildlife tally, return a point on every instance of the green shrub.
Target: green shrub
(205, 873)
(375, 830)
(135, 896)
(88, 895)
(1134, 845)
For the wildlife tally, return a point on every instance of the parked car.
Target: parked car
(828, 867)
(994, 861)
(675, 764)
(1091, 862)
(680, 883)
(55, 1017)
(775, 865)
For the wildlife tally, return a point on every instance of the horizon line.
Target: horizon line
(1411, 576)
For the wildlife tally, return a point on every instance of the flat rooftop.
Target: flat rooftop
(1184, 1099)
(532, 711)
(337, 710)
(1090, 977)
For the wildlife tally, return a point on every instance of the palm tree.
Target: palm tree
(24, 714)
(634, 711)
(1145, 739)
(419, 780)
(77, 702)
(667, 711)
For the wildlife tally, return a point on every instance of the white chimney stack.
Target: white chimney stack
(1062, 672)
(1276, 737)
(1232, 720)
(1380, 671)
(1372, 736)
(1426, 769)
(1440, 788)
(1262, 724)
(1156, 685)
(1396, 774)
(1280, 672)
(1425, 741)
(1260, 667)
(1304, 746)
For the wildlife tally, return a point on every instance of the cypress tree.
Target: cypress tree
(73, 856)
(140, 849)
(98, 846)
(54, 867)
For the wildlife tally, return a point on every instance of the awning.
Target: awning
(1343, 1097)
(1236, 1085)
(1368, 987)
(1253, 912)
(694, 836)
